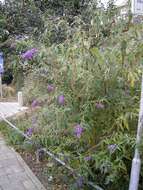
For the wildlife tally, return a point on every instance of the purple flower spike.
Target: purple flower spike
(29, 54)
(100, 106)
(50, 88)
(61, 100)
(35, 103)
(87, 158)
(78, 130)
(29, 132)
(112, 148)
(80, 182)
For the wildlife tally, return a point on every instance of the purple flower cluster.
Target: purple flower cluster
(80, 182)
(99, 105)
(61, 100)
(29, 132)
(50, 88)
(87, 158)
(29, 54)
(78, 130)
(35, 103)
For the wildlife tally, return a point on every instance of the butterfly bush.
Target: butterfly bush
(61, 100)
(87, 158)
(50, 88)
(29, 132)
(80, 182)
(79, 78)
(29, 54)
(78, 130)
(34, 104)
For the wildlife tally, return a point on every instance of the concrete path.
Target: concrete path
(14, 173)
(8, 109)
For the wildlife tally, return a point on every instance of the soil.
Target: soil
(43, 172)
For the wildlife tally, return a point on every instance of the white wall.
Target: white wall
(117, 2)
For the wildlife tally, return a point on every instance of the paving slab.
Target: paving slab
(14, 172)
(9, 109)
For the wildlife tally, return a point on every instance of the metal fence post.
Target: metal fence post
(136, 162)
(20, 99)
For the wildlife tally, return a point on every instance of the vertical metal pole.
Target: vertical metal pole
(1, 86)
(20, 99)
(136, 162)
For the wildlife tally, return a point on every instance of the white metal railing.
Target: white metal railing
(136, 162)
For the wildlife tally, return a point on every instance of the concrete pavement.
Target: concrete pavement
(14, 173)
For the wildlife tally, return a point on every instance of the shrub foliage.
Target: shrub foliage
(85, 79)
